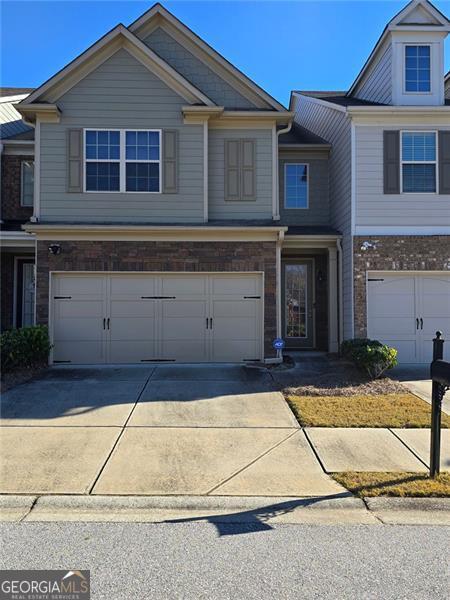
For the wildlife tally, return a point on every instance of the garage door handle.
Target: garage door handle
(104, 323)
(417, 323)
(421, 323)
(207, 322)
(108, 321)
(210, 323)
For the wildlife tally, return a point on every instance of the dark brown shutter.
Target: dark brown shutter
(232, 170)
(248, 170)
(75, 160)
(444, 162)
(170, 161)
(391, 158)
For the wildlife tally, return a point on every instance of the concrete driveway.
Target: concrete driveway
(159, 430)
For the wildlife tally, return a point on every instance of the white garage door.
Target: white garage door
(405, 311)
(133, 318)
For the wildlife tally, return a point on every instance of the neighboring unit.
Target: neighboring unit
(390, 181)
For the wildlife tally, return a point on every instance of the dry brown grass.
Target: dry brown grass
(415, 485)
(383, 410)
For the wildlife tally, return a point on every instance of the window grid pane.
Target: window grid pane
(142, 177)
(102, 176)
(296, 186)
(102, 145)
(419, 178)
(417, 69)
(418, 147)
(142, 145)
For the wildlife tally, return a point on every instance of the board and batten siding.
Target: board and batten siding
(373, 207)
(376, 86)
(335, 127)
(318, 211)
(219, 208)
(121, 93)
(195, 71)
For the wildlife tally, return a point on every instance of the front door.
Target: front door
(298, 325)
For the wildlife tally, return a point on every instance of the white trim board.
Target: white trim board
(396, 230)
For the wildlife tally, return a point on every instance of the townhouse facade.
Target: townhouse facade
(390, 179)
(158, 205)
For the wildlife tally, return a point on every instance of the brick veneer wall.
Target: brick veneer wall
(11, 210)
(394, 253)
(7, 290)
(162, 256)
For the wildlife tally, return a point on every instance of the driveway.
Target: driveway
(159, 430)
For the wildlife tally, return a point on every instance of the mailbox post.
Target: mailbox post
(440, 376)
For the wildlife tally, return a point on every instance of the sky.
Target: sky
(281, 45)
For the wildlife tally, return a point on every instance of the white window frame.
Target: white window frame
(423, 162)
(405, 91)
(22, 186)
(122, 161)
(296, 164)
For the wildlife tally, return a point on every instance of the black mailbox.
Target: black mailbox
(440, 372)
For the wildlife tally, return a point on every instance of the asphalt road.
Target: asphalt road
(239, 562)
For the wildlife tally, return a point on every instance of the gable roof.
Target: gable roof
(104, 48)
(14, 91)
(158, 15)
(416, 10)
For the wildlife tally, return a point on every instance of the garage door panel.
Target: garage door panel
(138, 308)
(80, 286)
(392, 327)
(132, 329)
(183, 309)
(70, 309)
(134, 351)
(235, 350)
(83, 352)
(179, 285)
(236, 285)
(234, 308)
(132, 286)
(78, 329)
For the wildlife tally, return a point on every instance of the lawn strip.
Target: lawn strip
(401, 485)
(402, 410)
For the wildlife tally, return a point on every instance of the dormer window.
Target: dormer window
(417, 69)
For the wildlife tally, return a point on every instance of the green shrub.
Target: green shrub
(24, 348)
(370, 355)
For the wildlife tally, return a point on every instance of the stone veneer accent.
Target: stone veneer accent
(11, 209)
(162, 256)
(394, 253)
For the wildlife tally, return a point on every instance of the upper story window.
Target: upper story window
(27, 183)
(122, 161)
(295, 185)
(418, 160)
(417, 69)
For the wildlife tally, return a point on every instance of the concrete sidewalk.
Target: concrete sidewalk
(416, 378)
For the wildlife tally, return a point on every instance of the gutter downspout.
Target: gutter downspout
(1, 151)
(276, 180)
(279, 244)
(340, 293)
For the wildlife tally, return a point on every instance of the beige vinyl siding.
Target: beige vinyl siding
(318, 211)
(195, 71)
(121, 93)
(373, 208)
(334, 126)
(261, 208)
(376, 86)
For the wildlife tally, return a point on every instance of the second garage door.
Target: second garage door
(406, 309)
(121, 318)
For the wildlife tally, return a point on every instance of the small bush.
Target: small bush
(370, 355)
(24, 348)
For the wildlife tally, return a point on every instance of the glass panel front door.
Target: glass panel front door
(298, 317)
(296, 297)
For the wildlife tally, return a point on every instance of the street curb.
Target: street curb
(410, 511)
